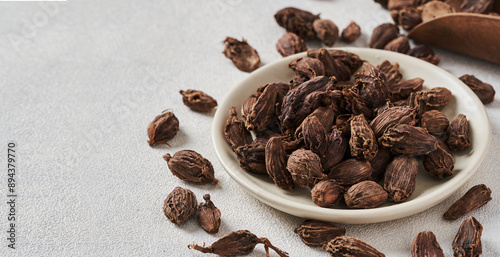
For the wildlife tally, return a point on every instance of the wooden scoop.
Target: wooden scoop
(476, 35)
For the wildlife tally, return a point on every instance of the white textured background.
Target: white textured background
(81, 80)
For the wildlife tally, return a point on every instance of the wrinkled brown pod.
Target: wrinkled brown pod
(276, 161)
(474, 198)
(399, 45)
(307, 67)
(190, 166)
(374, 91)
(333, 67)
(327, 31)
(198, 101)
(297, 21)
(239, 242)
(383, 34)
(163, 128)
(180, 205)
(351, 32)
(252, 157)
(425, 53)
(305, 167)
(208, 215)
(467, 242)
(337, 146)
(409, 17)
(318, 233)
(315, 136)
(244, 57)
(365, 195)
(391, 117)
(391, 72)
(439, 163)
(408, 140)
(458, 133)
(346, 246)
(380, 163)
(350, 172)
(327, 193)
(483, 90)
(290, 44)
(426, 245)
(235, 132)
(352, 60)
(434, 121)
(363, 143)
(477, 6)
(400, 178)
(326, 117)
(403, 89)
(262, 111)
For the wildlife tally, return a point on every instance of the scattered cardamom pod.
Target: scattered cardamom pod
(399, 45)
(252, 157)
(239, 242)
(391, 117)
(391, 72)
(434, 99)
(425, 245)
(363, 143)
(458, 133)
(297, 21)
(374, 91)
(408, 140)
(315, 136)
(476, 197)
(290, 44)
(318, 233)
(484, 91)
(350, 172)
(208, 215)
(327, 193)
(346, 246)
(307, 67)
(326, 31)
(325, 115)
(276, 162)
(190, 166)
(364, 195)
(439, 163)
(425, 53)
(244, 57)
(467, 242)
(400, 177)
(409, 17)
(263, 109)
(403, 89)
(333, 67)
(351, 32)
(383, 34)
(337, 146)
(180, 205)
(434, 121)
(163, 128)
(246, 107)
(198, 101)
(235, 132)
(352, 60)
(355, 104)
(305, 167)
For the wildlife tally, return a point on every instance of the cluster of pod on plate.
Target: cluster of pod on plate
(346, 129)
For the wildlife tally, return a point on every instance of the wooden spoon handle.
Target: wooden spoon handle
(476, 35)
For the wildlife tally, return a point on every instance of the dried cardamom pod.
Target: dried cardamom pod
(355, 104)
(326, 193)
(208, 215)
(380, 163)
(434, 121)
(305, 167)
(297, 21)
(190, 166)
(318, 233)
(290, 44)
(399, 45)
(252, 157)
(350, 172)
(307, 67)
(351, 32)
(337, 146)
(439, 163)
(296, 105)
(476, 197)
(403, 89)
(435, 98)
(467, 242)
(315, 136)
(363, 143)
(400, 4)
(180, 205)
(374, 91)
(434, 9)
(458, 133)
(425, 53)
(391, 117)
(198, 101)
(263, 110)
(391, 72)
(352, 60)
(239, 242)
(343, 123)
(477, 6)
(235, 132)
(163, 128)
(409, 17)
(425, 244)
(334, 67)
(325, 115)
(400, 177)
(327, 31)
(297, 81)
(346, 246)
(484, 91)
(247, 105)
(244, 57)
(365, 195)
(408, 140)
(383, 34)
(276, 161)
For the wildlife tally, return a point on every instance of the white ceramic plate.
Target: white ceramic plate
(428, 192)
